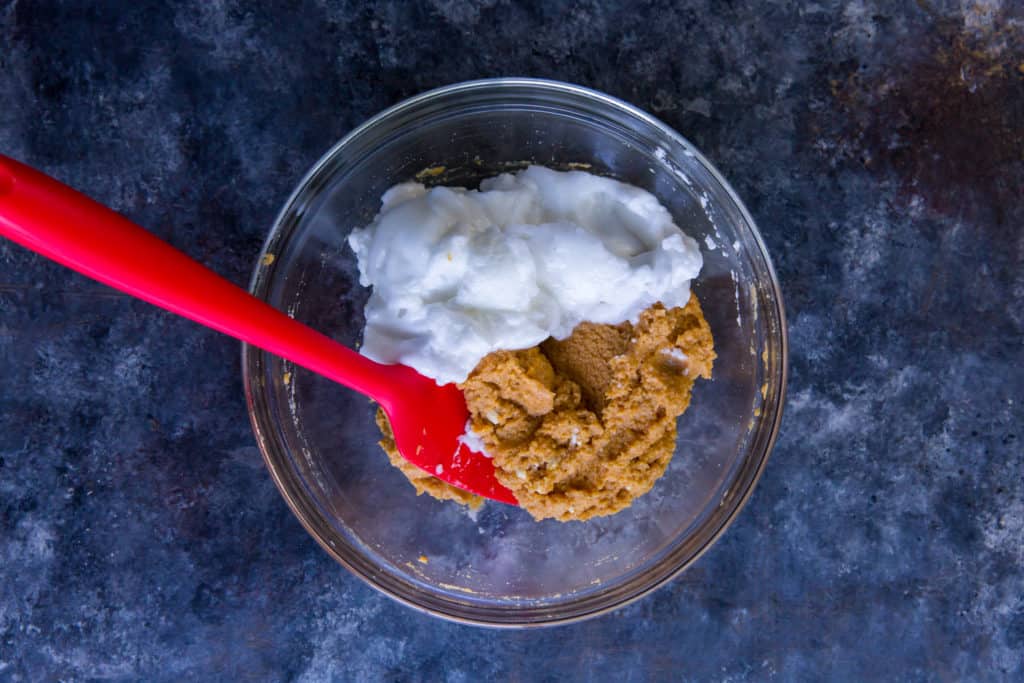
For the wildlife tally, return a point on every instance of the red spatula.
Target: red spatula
(52, 219)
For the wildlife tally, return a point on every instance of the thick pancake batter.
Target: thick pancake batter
(579, 428)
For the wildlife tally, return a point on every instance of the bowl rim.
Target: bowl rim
(289, 208)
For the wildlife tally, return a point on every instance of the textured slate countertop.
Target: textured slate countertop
(879, 145)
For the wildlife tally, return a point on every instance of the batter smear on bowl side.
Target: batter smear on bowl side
(560, 304)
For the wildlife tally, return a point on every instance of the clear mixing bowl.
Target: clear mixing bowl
(500, 567)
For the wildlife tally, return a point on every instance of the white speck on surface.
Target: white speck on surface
(472, 441)
(736, 294)
(675, 353)
(710, 243)
(439, 469)
(662, 156)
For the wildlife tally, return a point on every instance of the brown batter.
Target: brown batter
(579, 428)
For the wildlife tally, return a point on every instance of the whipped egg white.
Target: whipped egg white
(457, 274)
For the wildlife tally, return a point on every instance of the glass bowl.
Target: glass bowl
(499, 567)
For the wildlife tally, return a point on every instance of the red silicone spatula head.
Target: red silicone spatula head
(61, 224)
(428, 422)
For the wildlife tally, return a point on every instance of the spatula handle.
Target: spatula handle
(65, 226)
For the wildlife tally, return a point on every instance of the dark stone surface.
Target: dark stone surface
(880, 146)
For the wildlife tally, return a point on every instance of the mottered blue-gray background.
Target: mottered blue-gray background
(879, 145)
